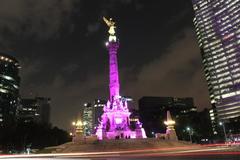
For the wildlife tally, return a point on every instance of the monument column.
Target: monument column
(113, 70)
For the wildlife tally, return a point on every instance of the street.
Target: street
(178, 153)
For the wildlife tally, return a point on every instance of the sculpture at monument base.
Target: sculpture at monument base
(115, 123)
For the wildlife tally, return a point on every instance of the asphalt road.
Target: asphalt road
(225, 157)
(189, 157)
(184, 158)
(201, 153)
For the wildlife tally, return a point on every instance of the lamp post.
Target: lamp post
(190, 133)
(73, 123)
(224, 130)
(77, 127)
(153, 134)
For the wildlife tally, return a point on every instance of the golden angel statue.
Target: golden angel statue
(111, 24)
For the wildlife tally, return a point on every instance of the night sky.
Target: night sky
(61, 47)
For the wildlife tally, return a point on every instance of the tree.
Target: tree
(32, 134)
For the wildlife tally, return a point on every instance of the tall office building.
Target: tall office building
(217, 24)
(91, 116)
(87, 119)
(9, 89)
(97, 112)
(44, 109)
(34, 110)
(152, 112)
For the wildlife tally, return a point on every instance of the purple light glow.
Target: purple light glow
(118, 120)
(115, 122)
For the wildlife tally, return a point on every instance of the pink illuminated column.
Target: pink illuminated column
(113, 69)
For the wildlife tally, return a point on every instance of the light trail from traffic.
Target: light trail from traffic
(155, 152)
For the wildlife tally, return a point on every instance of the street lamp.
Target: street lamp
(153, 133)
(190, 133)
(224, 130)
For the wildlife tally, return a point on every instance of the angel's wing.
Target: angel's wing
(107, 21)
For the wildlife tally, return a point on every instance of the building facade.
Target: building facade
(35, 110)
(217, 24)
(88, 119)
(134, 119)
(152, 112)
(98, 105)
(9, 89)
(214, 120)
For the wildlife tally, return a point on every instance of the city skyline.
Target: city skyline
(68, 62)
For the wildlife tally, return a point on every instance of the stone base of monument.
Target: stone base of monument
(78, 138)
(118, 135)
(85, 139)
(171, 135)
(140, 133)
(119, 145)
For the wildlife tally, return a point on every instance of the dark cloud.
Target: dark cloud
(67, 99)
(60, 46)
(93, 27)
(30, 67)
(71, 68)
(39, 18)
(178, 72)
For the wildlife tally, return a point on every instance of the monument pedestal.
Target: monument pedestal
(171, 135)
(115, 123)
(78, 138)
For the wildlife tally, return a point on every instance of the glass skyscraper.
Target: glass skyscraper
(88, 119)
(35, 110)
(9, 89)
(217, 24)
